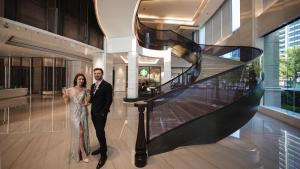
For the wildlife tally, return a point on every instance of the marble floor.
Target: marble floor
(34, 134)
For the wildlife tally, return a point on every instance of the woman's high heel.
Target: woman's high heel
(86, 160)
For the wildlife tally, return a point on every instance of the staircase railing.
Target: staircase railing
(181, 47)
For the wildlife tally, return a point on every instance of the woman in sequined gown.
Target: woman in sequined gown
(76, 98)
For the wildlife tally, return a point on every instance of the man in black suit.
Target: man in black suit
(101, 99)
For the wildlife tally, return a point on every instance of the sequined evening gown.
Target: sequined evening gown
(78, 115)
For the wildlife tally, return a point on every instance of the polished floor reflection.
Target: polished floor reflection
(34, 133)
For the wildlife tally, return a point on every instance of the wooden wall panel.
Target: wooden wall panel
(74, 19)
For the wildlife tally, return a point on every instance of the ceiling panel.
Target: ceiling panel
(181, 9)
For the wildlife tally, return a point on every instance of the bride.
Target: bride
(77, 98)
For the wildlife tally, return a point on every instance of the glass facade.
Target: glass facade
(235, 15)
(20, 72)
(281, 68)
(289, 36)
(222, 24)
(3, 70)
(38, 75)
(285, 81)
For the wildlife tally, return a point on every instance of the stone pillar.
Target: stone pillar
(132, 90)
(109, 69)
(102, 60)
(272, 96)
(167, 66)
(99, 61)
(75, 67)
(120, 77)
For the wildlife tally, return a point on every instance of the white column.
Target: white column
(132, 91)
(167, 66)
(98, 62)
(87, 70)
(101, 61)
(120, 77)
(75, 67)
(109, 69)
(272, 95)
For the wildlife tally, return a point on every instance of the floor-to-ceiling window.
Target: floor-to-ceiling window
(60, 74)
(20, 72)
(222, 24)
(282, 69)
(15, 71)
(2, 72)
(38, 75)
(53, 75)
(235, 15)
(37, 64)
(48, 75)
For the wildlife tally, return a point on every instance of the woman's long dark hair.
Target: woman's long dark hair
(76, 77)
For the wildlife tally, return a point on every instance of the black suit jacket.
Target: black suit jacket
(102, 99)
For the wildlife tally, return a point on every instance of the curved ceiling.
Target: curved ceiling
(174, 14)
(115, 17)
(183, 12)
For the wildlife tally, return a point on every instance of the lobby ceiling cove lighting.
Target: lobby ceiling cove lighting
(142, 60)
(178, 22)
(168, 20)
(124, 60)
(164, 18)
(148, 16)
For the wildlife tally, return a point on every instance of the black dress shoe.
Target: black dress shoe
(96, 152)
(101, 162)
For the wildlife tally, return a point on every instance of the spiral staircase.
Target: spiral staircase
(216, 96)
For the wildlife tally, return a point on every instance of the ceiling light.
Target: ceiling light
(149, 62)
(124, 60)
(179, 19)
(188, 27)
(148, 16)
(141, 61)
(177, 22)
(85, 51)
(142, 16)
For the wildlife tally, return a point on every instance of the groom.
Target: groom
(101, 99)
